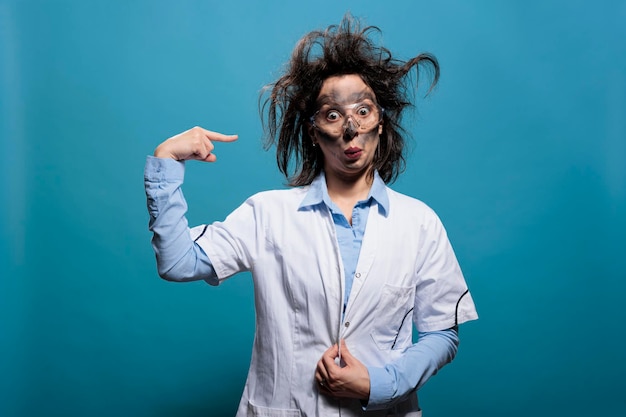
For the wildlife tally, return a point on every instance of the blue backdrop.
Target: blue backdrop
(521, 150)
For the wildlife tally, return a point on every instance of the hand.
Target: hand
(195, 143)
(351, 381)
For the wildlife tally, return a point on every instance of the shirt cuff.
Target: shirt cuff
(382, 389)
(163, 169)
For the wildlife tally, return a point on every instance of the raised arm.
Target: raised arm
(178, 257)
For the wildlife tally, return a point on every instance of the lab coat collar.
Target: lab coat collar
(318, 193)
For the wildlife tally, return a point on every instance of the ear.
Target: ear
(380, 128)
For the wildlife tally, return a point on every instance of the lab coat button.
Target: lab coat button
(357, 275)
(347, 324)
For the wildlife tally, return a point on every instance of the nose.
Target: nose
(350, 128)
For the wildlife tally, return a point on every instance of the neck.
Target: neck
(349, 189)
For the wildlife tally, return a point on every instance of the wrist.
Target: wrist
(162, 152)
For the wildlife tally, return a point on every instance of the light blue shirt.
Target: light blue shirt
(349, 237)
(180, 259)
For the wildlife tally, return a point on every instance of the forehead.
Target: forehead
(344, 89)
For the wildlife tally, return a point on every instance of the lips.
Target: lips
(353, 153)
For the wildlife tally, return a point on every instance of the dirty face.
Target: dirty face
(346, 126)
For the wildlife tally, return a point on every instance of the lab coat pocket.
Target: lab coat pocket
(258, 411)
(392, 325)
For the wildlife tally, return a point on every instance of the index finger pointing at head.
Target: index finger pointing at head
(220, 137)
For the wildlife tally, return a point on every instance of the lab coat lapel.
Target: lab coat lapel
(333, 277)
(369, 249)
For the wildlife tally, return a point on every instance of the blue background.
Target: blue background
(521, 150)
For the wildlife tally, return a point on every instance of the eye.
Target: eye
(363, 111)
(333, 115)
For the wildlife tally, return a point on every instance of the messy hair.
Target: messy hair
(339, 50)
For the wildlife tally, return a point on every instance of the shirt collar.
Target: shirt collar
(318, 193)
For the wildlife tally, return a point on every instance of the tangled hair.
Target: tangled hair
(339, 50)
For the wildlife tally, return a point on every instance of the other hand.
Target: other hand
(350, 381)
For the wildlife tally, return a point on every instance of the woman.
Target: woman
(340, 262)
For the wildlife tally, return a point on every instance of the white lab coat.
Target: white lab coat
(406, 268)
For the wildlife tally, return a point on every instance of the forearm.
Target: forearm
(178, 257)
(417, 364)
